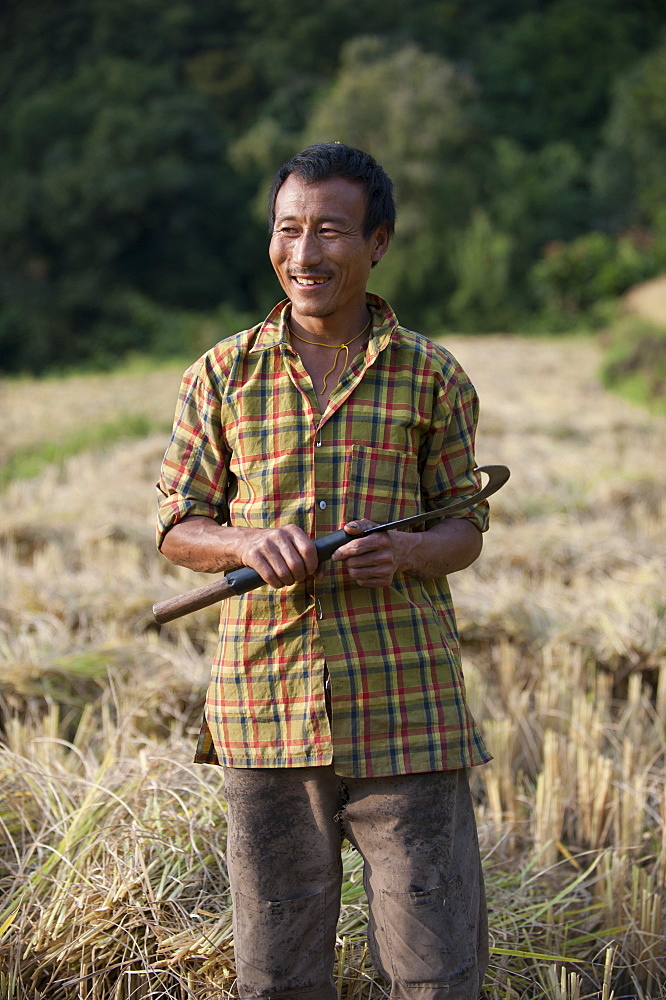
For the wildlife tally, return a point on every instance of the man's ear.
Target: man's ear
(381, 239)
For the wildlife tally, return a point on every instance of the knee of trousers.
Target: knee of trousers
(432, 944)
(286, 947)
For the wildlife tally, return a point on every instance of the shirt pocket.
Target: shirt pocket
(381, 484)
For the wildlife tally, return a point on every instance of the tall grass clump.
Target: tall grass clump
(635, 362)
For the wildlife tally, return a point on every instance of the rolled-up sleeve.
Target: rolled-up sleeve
(195, 467)
(448, 461)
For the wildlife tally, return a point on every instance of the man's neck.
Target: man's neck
(330, 331)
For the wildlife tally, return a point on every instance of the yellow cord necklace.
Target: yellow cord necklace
(345, 347)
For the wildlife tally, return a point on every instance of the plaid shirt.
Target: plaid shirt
(250, 448)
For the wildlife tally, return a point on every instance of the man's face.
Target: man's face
(318, 249)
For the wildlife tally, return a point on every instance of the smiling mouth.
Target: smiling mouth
(307, 282)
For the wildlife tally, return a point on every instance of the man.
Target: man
(336, 702)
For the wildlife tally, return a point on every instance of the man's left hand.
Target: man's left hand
(372, 561)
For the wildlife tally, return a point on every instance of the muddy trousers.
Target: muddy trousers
(427, 932)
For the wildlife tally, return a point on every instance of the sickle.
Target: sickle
(241, 581)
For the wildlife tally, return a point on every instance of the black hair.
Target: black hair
(334, 159)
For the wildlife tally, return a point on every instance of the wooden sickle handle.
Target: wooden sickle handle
(238, 582)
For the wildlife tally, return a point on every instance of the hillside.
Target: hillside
(648, 300)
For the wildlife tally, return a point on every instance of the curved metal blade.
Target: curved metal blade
(497, 476)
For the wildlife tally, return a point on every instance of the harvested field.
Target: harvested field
(112, 843)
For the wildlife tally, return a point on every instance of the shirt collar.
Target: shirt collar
(274, 331)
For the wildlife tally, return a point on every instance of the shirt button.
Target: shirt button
(322, 505)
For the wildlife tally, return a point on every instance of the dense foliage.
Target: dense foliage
(137, 138)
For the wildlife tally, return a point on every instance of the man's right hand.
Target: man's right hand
(281, 556)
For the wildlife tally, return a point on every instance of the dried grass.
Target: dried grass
(112, 844)
(38, 412)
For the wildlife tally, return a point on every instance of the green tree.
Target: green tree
(537, 197)
(574, 277)
(134, 134)
(631, 169)
(408, 108)
(113, 180)
(546, 75)
(481, 260)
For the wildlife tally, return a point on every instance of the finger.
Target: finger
(359, 526)
(359, 547)
(298, 566)
(277, 560)
(297, 551)
(272, 568)
(307, 552)
(371, 565)
(289, 570)
(366, 564)
(372, 577)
